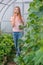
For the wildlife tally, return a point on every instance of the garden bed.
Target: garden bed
(7, 50)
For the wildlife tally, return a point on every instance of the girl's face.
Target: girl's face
(16, 11)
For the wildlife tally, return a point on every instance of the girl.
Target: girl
(16, 21)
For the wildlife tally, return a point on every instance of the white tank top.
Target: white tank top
(16, 27)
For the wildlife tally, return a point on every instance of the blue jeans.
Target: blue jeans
(16, 37)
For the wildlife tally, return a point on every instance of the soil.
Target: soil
(11, 63)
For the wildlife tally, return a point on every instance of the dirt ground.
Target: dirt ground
(11, 63)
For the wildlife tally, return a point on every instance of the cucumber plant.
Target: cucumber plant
(32, 44)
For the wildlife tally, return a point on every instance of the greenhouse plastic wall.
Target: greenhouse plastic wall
(6, 12)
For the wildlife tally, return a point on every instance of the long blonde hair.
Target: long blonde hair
(20, 16)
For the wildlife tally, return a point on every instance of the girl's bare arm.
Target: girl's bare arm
(23, 20)
(12, 21)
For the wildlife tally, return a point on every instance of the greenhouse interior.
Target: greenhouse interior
(24, 48)
(6, 11)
